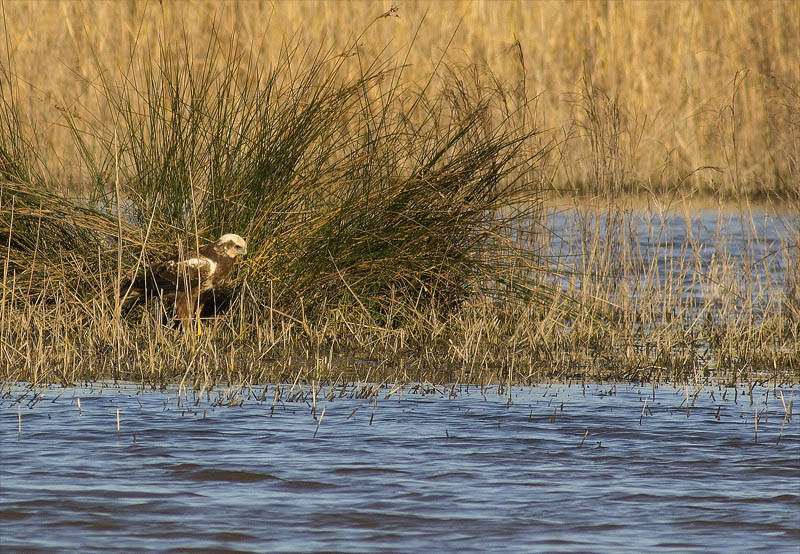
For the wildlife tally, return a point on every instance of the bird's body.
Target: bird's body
(189, 282)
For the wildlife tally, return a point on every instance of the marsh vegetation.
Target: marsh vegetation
(396, 200)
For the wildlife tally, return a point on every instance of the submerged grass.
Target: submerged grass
(396, 233)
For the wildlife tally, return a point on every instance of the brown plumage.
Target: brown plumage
(189, 282)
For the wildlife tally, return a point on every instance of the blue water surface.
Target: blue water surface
(599, 468)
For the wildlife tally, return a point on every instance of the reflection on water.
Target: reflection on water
(567, 468)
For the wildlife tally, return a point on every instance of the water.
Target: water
(563, 468)
(704, 253)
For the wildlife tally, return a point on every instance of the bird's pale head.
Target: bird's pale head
(232, 245)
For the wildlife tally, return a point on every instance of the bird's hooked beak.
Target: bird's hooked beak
(241, 250)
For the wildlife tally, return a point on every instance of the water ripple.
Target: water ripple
(556, 469)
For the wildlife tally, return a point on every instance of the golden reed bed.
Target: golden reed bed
(700, 96)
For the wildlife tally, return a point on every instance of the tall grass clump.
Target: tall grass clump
(357, 190)
(366, 201)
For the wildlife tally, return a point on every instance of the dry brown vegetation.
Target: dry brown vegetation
(654, 96)
(389, 170)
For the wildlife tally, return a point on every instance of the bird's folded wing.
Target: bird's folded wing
(184, 272)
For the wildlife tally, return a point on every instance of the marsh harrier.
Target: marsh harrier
(189, 282)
